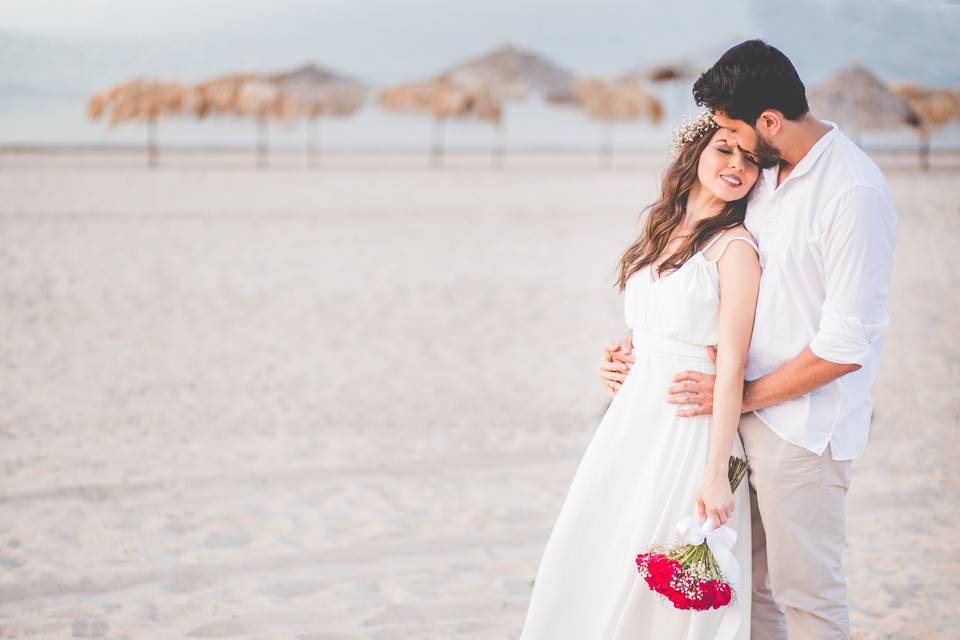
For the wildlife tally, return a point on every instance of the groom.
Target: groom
(823, 218)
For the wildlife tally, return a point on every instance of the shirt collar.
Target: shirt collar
(806, 162)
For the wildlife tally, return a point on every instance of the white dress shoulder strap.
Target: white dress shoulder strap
(726, 244)
(712, 242)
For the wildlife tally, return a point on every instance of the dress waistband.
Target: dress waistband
(658, 343)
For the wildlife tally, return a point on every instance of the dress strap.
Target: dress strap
(712, 242)
(727, 244)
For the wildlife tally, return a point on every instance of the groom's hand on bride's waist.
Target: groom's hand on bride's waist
(695, 389)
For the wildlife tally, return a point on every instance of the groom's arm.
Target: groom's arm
(801, 375)
(804, 373)
(857, 240)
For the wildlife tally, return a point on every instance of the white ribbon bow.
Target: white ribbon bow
(719, 540)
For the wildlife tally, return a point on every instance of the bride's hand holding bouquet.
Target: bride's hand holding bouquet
(715, 498)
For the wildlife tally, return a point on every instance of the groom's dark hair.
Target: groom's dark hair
(749, 78)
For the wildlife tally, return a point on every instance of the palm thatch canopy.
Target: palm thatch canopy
(242, 94)
(311, 91)
(511, 73)
(615, 100)
(935, 106)
(662, 73)
(259, 98)
(141, 99)
(443, 99)
(305, 92)
(858, 99)
(478, 87)
(612, 101)
(221, 94)
(308, 91)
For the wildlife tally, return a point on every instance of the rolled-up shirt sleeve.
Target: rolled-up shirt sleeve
(858, 234)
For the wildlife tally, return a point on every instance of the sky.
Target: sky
(55, 53)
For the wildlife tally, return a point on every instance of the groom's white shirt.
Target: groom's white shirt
(826, 237)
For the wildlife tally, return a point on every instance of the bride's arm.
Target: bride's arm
(739, 284)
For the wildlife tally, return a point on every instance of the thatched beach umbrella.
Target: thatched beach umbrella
(219, 95)
(511, 73)
(312, 92)
(935, 106)
(305, 92)
(612, 101)
(857, 99)
(675, 79)
(443, 100)
(145, 100)
(242, 94)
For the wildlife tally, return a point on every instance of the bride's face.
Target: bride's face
(724, 170)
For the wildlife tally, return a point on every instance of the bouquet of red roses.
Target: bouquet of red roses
(690, 575)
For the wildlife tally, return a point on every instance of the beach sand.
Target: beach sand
(346, 402)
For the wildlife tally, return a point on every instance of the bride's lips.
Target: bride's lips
(732, 180)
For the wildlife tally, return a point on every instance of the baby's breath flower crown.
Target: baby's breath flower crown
(691, 129)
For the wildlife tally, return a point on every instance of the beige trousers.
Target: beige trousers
(799, 534)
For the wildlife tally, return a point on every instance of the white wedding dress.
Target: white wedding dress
(638, 477)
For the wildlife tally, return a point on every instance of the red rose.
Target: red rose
(716, 594)
(643, 566)
(652, 565)
(662, 571)
(705, 600)
(721, 593)
(642, 560)
(678, 598)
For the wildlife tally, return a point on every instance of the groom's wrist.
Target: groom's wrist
(748, 401)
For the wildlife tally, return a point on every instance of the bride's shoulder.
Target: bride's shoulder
(728, 237)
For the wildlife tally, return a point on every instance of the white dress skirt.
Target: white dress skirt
(638, 477)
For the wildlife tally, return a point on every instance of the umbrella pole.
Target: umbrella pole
(606, 146)
(261, 142)
(152, 143)
(924, 148)
(436, 151)
(500, 148)
(313, 151)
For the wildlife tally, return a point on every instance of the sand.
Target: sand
(346, 402)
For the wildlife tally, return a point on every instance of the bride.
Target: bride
(690, 282)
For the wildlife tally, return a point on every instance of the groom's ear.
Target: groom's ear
(769, 123)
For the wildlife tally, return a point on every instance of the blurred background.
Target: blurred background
(57, 55)
(303, 302)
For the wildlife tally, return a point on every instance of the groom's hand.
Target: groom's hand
(694, 388)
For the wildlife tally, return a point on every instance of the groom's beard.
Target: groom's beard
(766, 154)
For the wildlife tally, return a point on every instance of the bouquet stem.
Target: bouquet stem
(736, 471)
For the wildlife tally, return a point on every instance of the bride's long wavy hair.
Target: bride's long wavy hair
(664, 215)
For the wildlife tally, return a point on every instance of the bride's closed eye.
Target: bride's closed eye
(723, 146)
(751, 158)
(747, 156)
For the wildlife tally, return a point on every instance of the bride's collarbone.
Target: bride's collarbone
(658, 278)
